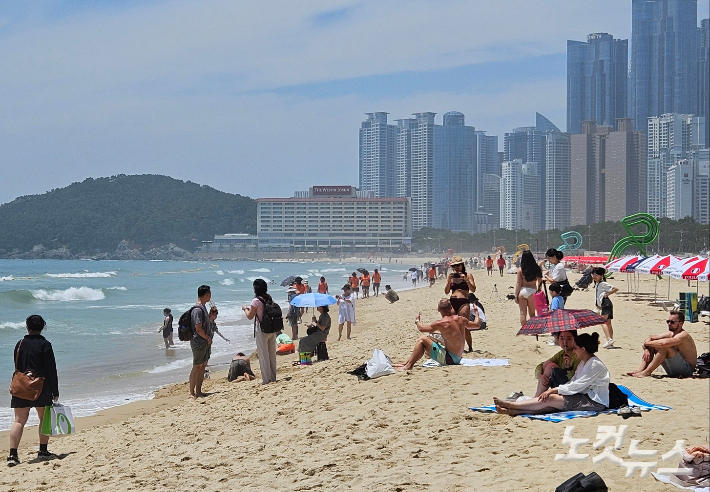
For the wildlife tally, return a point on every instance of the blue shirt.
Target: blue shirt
(558, 302)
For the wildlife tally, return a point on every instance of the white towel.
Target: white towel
(472, 362)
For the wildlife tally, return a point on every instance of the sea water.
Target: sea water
(104, 318)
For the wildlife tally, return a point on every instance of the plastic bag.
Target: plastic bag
(57, 421)
(379, 365)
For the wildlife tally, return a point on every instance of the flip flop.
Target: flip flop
(624, 411)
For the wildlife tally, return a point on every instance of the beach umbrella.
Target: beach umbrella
(657, 264)
(700, 267)
(290, 280)
(592, 260)
(631, 267)
(313, 300)
(676, 271)
(648, 263)
(561, 320)
(618, 266)
(363, 271)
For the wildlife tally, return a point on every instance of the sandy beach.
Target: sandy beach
(319, 428)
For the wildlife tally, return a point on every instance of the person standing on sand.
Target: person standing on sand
(452, 328)
(458, 285)
(489, 266)
(528, 282)
(432, 275)
(674, 350)
(322, 286)
(265, 342)
(376, 279)
(365, 284)
(201, 343)
(167, 328)
(346, 311)
(34, 353)
(354, 285)
(501, 264)
(606, 308)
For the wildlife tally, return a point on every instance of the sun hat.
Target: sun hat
(290, 290)
(346, 287)
(456, 260)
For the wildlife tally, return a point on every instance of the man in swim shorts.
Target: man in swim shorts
(240, 369)
(452, 328)
(674, 350)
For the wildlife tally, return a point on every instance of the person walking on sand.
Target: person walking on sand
(432, 275)
(413, 277)
(201, 343)
(606, 308)
(346, 311)
(501, 264)
(452, 328)
(674, 350)
(33, 353)
(167, 328)
(529, 279)
(489, 266)
(376, 279)
(322, 286)
(265, 342)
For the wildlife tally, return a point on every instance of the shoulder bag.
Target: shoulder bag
(26, 385)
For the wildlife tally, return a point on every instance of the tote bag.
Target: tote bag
(57, 421)
(540, 300)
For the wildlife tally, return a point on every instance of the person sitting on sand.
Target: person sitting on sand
(240, 369)
(391, 295)
(317, 332)
(588, 389)
(674, 350)
(559, 368)
(452, 328)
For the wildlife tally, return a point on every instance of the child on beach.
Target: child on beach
(557, 302)
(602, 292)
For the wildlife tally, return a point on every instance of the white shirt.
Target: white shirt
(601, 289)
(591, 379)
(558, 274)
(481, 314)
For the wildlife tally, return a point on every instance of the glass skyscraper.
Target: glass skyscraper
(378, 160)
(596, 81)
(664, 59)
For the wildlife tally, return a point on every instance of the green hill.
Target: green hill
(149, 211)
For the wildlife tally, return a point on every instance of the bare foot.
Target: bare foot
(640, 375)
(501, 403)
(633, 373)
(192, 397)
(502, 410)
(401, 368)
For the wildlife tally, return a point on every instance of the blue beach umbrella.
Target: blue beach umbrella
(313, 300)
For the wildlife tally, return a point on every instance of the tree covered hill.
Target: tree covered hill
(149, 211)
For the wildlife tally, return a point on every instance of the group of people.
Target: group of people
(363, 283)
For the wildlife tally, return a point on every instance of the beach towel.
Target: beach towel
(471, 362)
(564, 416)
(667, 479)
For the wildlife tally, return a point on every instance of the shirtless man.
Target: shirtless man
(674, 350)
(451, 326)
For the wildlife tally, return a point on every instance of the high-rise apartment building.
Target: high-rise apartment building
(596, 81)
(701, 200)
(454, 199)
(664, 59)
(404, 157)
(679, 179)
(378, 164)
(486, 163)
(520, 196)
(491, 197)
(422, 170)
(671, 138)
(606, 174)
(704, 75)
(558, 181)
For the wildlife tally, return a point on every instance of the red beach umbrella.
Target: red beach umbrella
(701, 267)
(561, 320)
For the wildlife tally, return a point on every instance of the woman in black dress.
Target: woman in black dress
(33, 352)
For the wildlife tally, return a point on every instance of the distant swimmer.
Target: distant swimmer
(167, 328)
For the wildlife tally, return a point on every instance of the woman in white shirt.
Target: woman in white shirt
(602, 292)
(558, 272)
(587, 390)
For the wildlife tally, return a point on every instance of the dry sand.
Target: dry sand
(319, 428)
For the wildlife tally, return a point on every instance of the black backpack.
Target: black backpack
(617, 398)
(185, 329)
(273, 319)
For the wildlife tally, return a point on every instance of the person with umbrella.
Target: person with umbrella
(588, 389)
(317, 332)
(559, 368)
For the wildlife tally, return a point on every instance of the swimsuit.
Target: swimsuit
(458, 302)
(677, 366)
(526, 292)
(443, 356)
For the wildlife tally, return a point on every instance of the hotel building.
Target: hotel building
(334, 218)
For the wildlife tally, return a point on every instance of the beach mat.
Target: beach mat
(667, 479)
(564, 416)
(472, 363)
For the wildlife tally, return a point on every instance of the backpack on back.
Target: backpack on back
(272, 320)
(185, 328)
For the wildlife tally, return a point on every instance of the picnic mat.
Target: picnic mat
(563, 416)
(472, 362)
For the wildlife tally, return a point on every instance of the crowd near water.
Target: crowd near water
(104, 318)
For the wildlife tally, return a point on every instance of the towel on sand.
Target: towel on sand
(667, 479)
(563, 416)
(471, 362)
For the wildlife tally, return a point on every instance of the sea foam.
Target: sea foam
(70, 294)
(82, 275)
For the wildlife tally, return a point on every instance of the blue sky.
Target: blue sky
(264, 98)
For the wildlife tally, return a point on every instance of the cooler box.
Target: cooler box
(689, 305)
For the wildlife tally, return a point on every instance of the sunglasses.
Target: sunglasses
(671, 322)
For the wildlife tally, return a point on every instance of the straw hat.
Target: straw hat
(456, 260)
